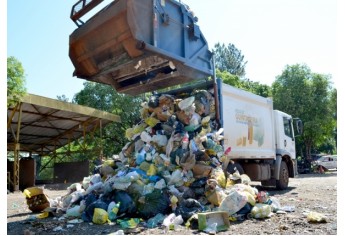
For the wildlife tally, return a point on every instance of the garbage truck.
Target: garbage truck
(139, 46)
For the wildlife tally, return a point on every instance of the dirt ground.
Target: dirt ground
(307, 192)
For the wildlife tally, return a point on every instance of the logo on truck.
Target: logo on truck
(254, 129)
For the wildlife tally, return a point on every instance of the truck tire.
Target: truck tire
(283, 181)
(233, 167)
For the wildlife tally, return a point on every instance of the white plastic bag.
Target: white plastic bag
(261, 211)
(233, 202)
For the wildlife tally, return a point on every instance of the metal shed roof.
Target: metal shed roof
(43, 125)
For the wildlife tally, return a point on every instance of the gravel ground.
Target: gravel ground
(307, 192)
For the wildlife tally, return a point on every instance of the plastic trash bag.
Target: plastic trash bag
(96, 178)
(233, 202)
(245, 210)
(94, 187)
(129, 223)
(176, 178)
(219, 175)
(88, 214)
(74, 211)
(155, 221)
(100, 216)
(169, 219)
(160, 184)
(160, 140)
(153, 203)
(275, 204)
(188, 207)
(315, 217)
(213, 192)
(126, 202)
(261, 211)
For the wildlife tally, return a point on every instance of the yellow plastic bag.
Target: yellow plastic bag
(315, 217)
(151, 121)
(251, 198)
(219, 175)
(100, 216)
(43, 215)
(152, 170)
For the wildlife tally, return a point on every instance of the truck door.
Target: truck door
(288, 137)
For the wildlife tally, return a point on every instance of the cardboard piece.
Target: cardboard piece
(206, 219)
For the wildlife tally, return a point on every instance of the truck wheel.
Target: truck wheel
(283, 181)
(233, 167)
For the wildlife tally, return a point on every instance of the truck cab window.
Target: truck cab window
(287, 127)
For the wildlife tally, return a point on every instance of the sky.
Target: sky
(269, 33)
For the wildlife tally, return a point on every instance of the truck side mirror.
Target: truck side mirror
(299, 127)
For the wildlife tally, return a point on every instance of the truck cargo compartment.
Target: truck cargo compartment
(138, 46)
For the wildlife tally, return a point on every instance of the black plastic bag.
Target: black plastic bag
(153, 203)
(189, 207)
(87, 215)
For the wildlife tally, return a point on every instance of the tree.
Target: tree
(105, 98)
(228, 78)
(15, 81)
(245, 84)
(229, 59)
(256, 88)
(306, 95)
(62, 98)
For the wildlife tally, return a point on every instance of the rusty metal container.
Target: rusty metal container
(138, 46)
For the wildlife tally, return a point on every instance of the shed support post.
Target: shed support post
(101, 135)
(16, 153)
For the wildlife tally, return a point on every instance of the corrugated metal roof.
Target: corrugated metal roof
(48, 124)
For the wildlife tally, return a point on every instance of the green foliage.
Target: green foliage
(301, 93)
(256, 88)
(245, 84)
(230, 59)
(15, 81)
(228, 78)
(105, 98)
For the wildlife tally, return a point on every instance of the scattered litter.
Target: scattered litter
(75, 221)
(119, 232)
(212, 222)
(59, 228)
(315, 217)
(288, 208)
(261, 211)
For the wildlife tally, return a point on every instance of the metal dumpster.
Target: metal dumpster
(138, 46)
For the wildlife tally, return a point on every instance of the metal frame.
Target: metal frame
(42, 125)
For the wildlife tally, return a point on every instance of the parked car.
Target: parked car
(327, 162)
(303, 166)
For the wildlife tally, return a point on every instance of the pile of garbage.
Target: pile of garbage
(168, 173)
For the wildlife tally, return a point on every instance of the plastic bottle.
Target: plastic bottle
(185, 141)
(141, 156)
(113, 209)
